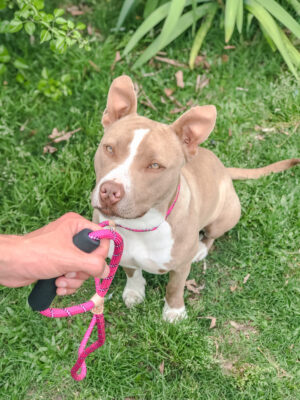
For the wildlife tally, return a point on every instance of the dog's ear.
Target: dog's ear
(194, 127)
(121, 100)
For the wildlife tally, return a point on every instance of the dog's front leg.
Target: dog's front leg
(134, 291)
(174, 309)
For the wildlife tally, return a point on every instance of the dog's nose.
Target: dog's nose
(111, 192)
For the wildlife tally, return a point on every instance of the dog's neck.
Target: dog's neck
(153, 218)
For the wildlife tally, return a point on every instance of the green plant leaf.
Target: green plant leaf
(268, 38)
(39, 4)
(249, 21)
(15, 26)
(231, 8)
(150, 6)
(60, 21)
(295, 4)
(125, 10)
(206, 24)
(4, 25)
(29, 28)
(80, 26)
(58, 12)
(155, 18)
(173, 16)
(2, 4)
(283, 16)
(239, 16)
(185, 21)
(20, 63)
(293, 52)
(4, 54)
(45, 36)
(2, 68)
(267, 21)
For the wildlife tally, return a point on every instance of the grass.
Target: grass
(260, 359)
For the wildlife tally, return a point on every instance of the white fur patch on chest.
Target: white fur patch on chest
(150, 251)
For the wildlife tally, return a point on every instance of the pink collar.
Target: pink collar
(156, 227)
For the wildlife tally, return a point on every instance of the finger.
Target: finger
(64, 291)
(68, 283)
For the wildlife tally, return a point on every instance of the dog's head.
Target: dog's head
(138, 161)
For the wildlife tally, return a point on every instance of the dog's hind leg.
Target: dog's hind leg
(226, 220)
(134, 291)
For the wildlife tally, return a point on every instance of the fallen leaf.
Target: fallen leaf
(5, 83)
(233, 288)
(163, 100)
(260, 128)
(177, 110)
(81, 10)
(171, 62)
(259, 137)
(190, 103)
(242, 89)
(57, 136)
(95, 66)
(246, 278)
(168, 92)
(23, 126)
(179, 79)
(213, 321)
(162, 367)
(49, 149)
(229, 132)
(117, 59)
(224, 57)
(149, 104)
(229, 47)
(245, 328)
(90, 29)
(191, 286)
(201, 82)
(162, 53)
(204, 267)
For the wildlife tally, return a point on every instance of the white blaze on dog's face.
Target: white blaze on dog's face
(138, 161)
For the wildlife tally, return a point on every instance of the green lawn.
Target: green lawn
(257, 359)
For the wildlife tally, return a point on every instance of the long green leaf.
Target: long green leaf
(239, 16)
(268, 38)
(202, 32)
(184, 23)
(150, 6)
(294, 53)
(295, 4)
(283, 16)
(267, 21)
(155, 18)
(125, 10)
(231, 8)
(171, 21)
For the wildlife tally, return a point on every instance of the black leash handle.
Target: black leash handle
(44, 291)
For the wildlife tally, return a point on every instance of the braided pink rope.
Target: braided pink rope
(101, 289)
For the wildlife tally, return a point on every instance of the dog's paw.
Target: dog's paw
(173, 315)
(132, 297)
(202, 252)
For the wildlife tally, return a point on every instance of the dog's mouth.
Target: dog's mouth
(111, 212)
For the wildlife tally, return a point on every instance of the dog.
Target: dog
(161, 189)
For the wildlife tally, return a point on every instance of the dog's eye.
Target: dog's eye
(108, 148)
(154, 166)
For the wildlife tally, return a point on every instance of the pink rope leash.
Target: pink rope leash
(78, 371)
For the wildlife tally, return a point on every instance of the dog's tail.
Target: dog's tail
(241, 173)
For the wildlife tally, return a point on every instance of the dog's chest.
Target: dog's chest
(150, 251)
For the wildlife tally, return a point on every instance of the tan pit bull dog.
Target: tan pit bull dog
(142, 168)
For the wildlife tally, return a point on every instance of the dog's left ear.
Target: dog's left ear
(121, 100)
(194, 127)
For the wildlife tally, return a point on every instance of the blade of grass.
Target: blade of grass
(231, 8)
(202, 32)
(174, 14)
(239, 16)
(269, 24)
(295, 4)
(184, 23)
(125, 10)
(283, 16)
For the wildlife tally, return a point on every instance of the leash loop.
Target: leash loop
(95, 304)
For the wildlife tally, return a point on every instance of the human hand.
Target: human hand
(49, 252)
